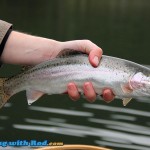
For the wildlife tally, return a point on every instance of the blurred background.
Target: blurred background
(121, 29)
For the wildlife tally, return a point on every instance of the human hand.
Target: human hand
(95, 54)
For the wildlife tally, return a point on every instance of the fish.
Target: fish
(125, 78)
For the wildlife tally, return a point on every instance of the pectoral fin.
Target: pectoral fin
(32, 96)
(126, 88)
(126, 101)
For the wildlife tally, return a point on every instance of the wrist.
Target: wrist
(44, 50)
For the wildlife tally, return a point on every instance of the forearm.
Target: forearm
(26, 49)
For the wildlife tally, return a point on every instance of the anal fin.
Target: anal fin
(69, 52)
(33, 95)
(24, 68)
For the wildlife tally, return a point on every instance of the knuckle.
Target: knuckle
(91, 97)
(74, 95)
(108, 99)
(100, 50)
(87, 41)
(74, 98)
(91, 100)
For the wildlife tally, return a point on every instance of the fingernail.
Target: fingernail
(96, 60)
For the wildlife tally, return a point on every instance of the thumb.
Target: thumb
(87, 47)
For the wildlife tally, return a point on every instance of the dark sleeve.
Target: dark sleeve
(5, 30)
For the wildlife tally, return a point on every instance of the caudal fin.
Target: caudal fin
(3, 96)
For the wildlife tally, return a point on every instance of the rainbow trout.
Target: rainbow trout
(125, 78)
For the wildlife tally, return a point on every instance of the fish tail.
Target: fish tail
(3, 96)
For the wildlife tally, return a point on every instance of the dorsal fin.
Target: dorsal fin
(24, 68)
(68, 52)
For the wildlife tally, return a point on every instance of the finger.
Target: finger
(73, 91)
(108, 95)
(86, 46)
(89, 92)
(94, 56)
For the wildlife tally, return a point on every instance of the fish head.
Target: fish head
(140, 83)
